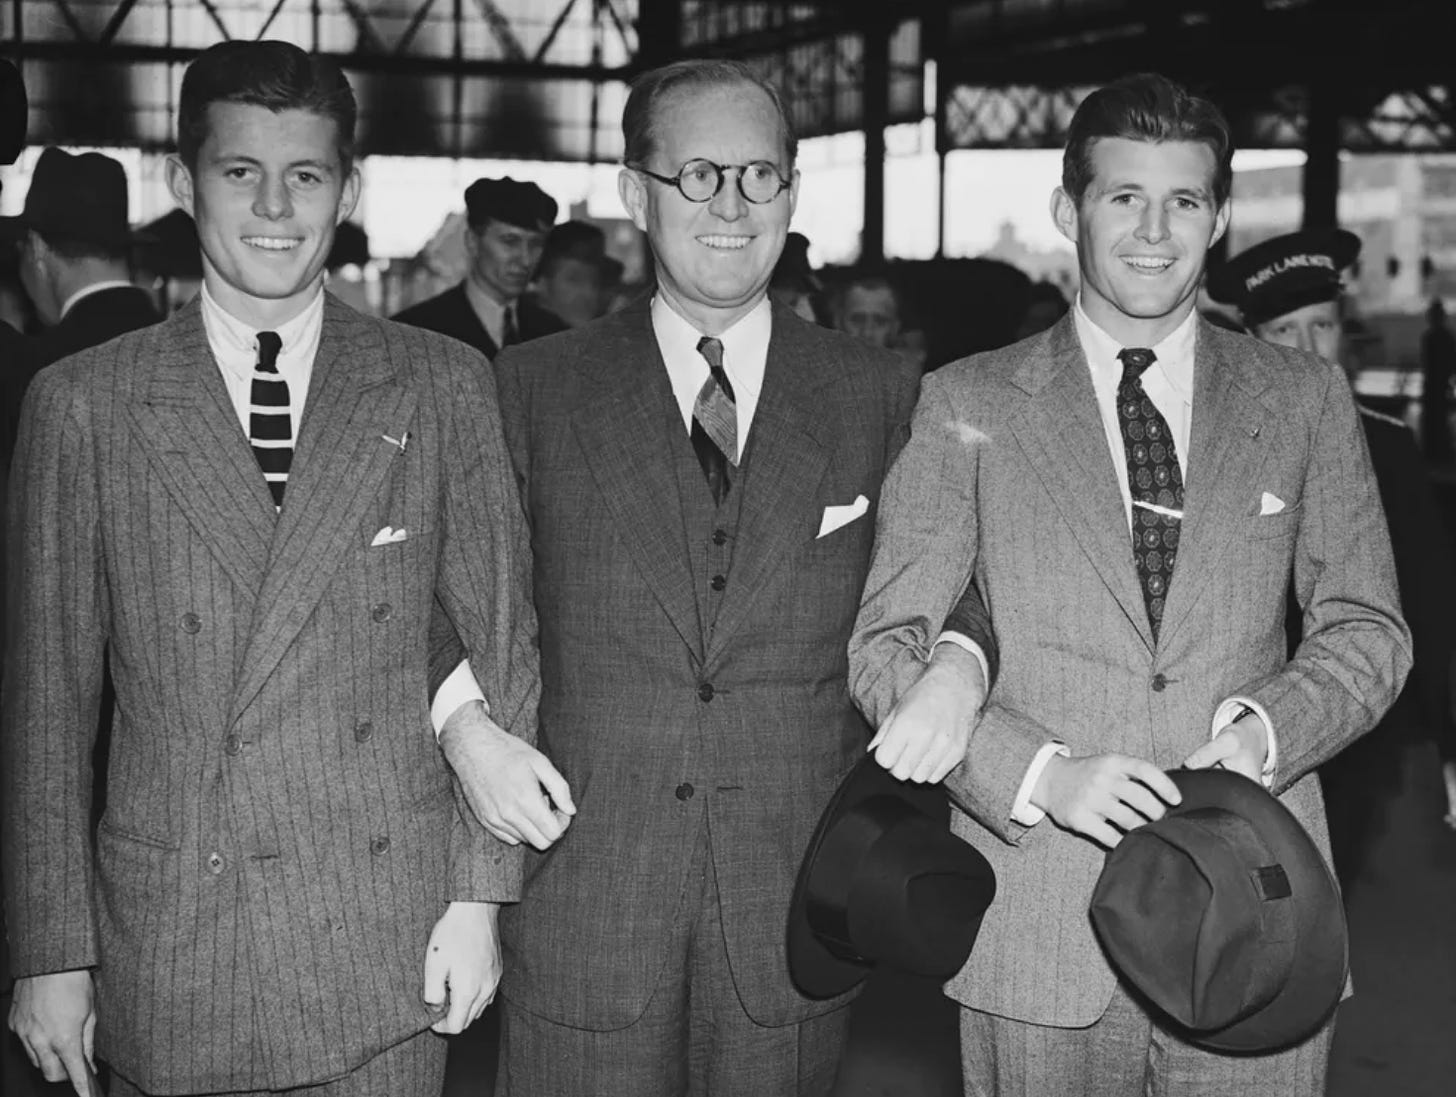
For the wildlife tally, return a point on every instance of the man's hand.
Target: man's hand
(1102, 796)
(462, 964)
(55, 1017)
(926, 734)
(514, 790)
(1243, 747)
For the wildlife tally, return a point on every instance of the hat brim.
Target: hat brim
(814, 968)
(1320, 963)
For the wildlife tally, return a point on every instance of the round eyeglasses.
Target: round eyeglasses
(701, 180)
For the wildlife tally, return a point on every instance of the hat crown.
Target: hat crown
(79, 196)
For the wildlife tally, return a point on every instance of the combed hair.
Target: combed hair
(276, 75)
(1146, 107)
(653, 85)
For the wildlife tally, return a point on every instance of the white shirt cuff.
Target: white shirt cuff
(1023, 811)
(965, 643)
(459, 689)
(1235, 707)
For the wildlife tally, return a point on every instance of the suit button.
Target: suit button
(215, 863)
(684, 791)
(363, 731)
(720, 537)
(232, 745)
(705, 691)
(191, 623)
(1160, 683)
(719, 582)
(379, 845)
(382, 612)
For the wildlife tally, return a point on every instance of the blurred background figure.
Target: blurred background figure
(1288, 291)
(75, 253)
(1438, 367)
(867, 307)
(1045, 305)
(794, 284)
(506, 226)
(571, 277)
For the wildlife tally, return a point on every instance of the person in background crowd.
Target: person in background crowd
(700, 472)
(1438, 369)
(506, 226)
(794, 284)
(1140, 630)
(284, 892)
(1045, 305)
(867, 307)
(570, 276)
(1288, 291)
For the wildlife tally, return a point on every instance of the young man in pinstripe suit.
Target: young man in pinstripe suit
(251, 509)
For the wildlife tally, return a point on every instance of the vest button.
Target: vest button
(719, 582)
(379, 845)
(191, 623)
(215, 863)
(232, 745)
(720, 537)
(363, 731)
(684, 791)
(1160, 683)
(382, 612)
(705, 691)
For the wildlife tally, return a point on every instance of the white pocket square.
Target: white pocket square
(1269, 503)
(388, 536)
(835, 517)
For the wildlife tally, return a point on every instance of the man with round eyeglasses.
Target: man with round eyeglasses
(700, 471)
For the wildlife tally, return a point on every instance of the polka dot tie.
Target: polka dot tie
(1155, 481)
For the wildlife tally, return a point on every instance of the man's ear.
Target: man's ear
(179, 182)
(1221, 220)
(633, 192)
(1064, 214)
(349, 198)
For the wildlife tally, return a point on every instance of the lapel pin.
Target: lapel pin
(401, 441)
(1253, 432)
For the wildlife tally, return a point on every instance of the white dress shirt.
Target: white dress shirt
(1168, 383)
(235, 346)
(745, 357)
(490, 312)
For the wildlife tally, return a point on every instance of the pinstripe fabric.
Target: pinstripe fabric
(648, 713)
(413, 1068)
(1123, 1054)
(281, 832)
(1008, 477)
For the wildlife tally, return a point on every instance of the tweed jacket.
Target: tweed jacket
(1008, 477)
(281, 831)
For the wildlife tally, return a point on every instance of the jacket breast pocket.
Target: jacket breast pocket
(1271, 526)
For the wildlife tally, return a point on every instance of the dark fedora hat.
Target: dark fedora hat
(1225, 916)
(884, 881)
(77, 196)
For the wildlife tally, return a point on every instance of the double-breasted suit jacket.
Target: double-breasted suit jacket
(693, 660)
(1008, 476)
(281, 832)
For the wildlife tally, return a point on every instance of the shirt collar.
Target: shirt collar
(491, 313)
(87, 291)
(1174, 351)
(745, 344)
(235, 343)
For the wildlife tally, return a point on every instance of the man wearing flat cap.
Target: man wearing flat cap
(1288, 291)
(507, 223)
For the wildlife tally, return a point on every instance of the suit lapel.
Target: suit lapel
(355, 397)
(471, 328)
(621, 426)
(185, 422)
(1226, 456)
(788, 453)
(1063, 439)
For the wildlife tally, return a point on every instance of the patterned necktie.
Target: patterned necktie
(1154, 480)
(509, 332)
(270, 429)
(715, 421)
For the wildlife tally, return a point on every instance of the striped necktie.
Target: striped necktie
(715, 421)
(270, 429)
